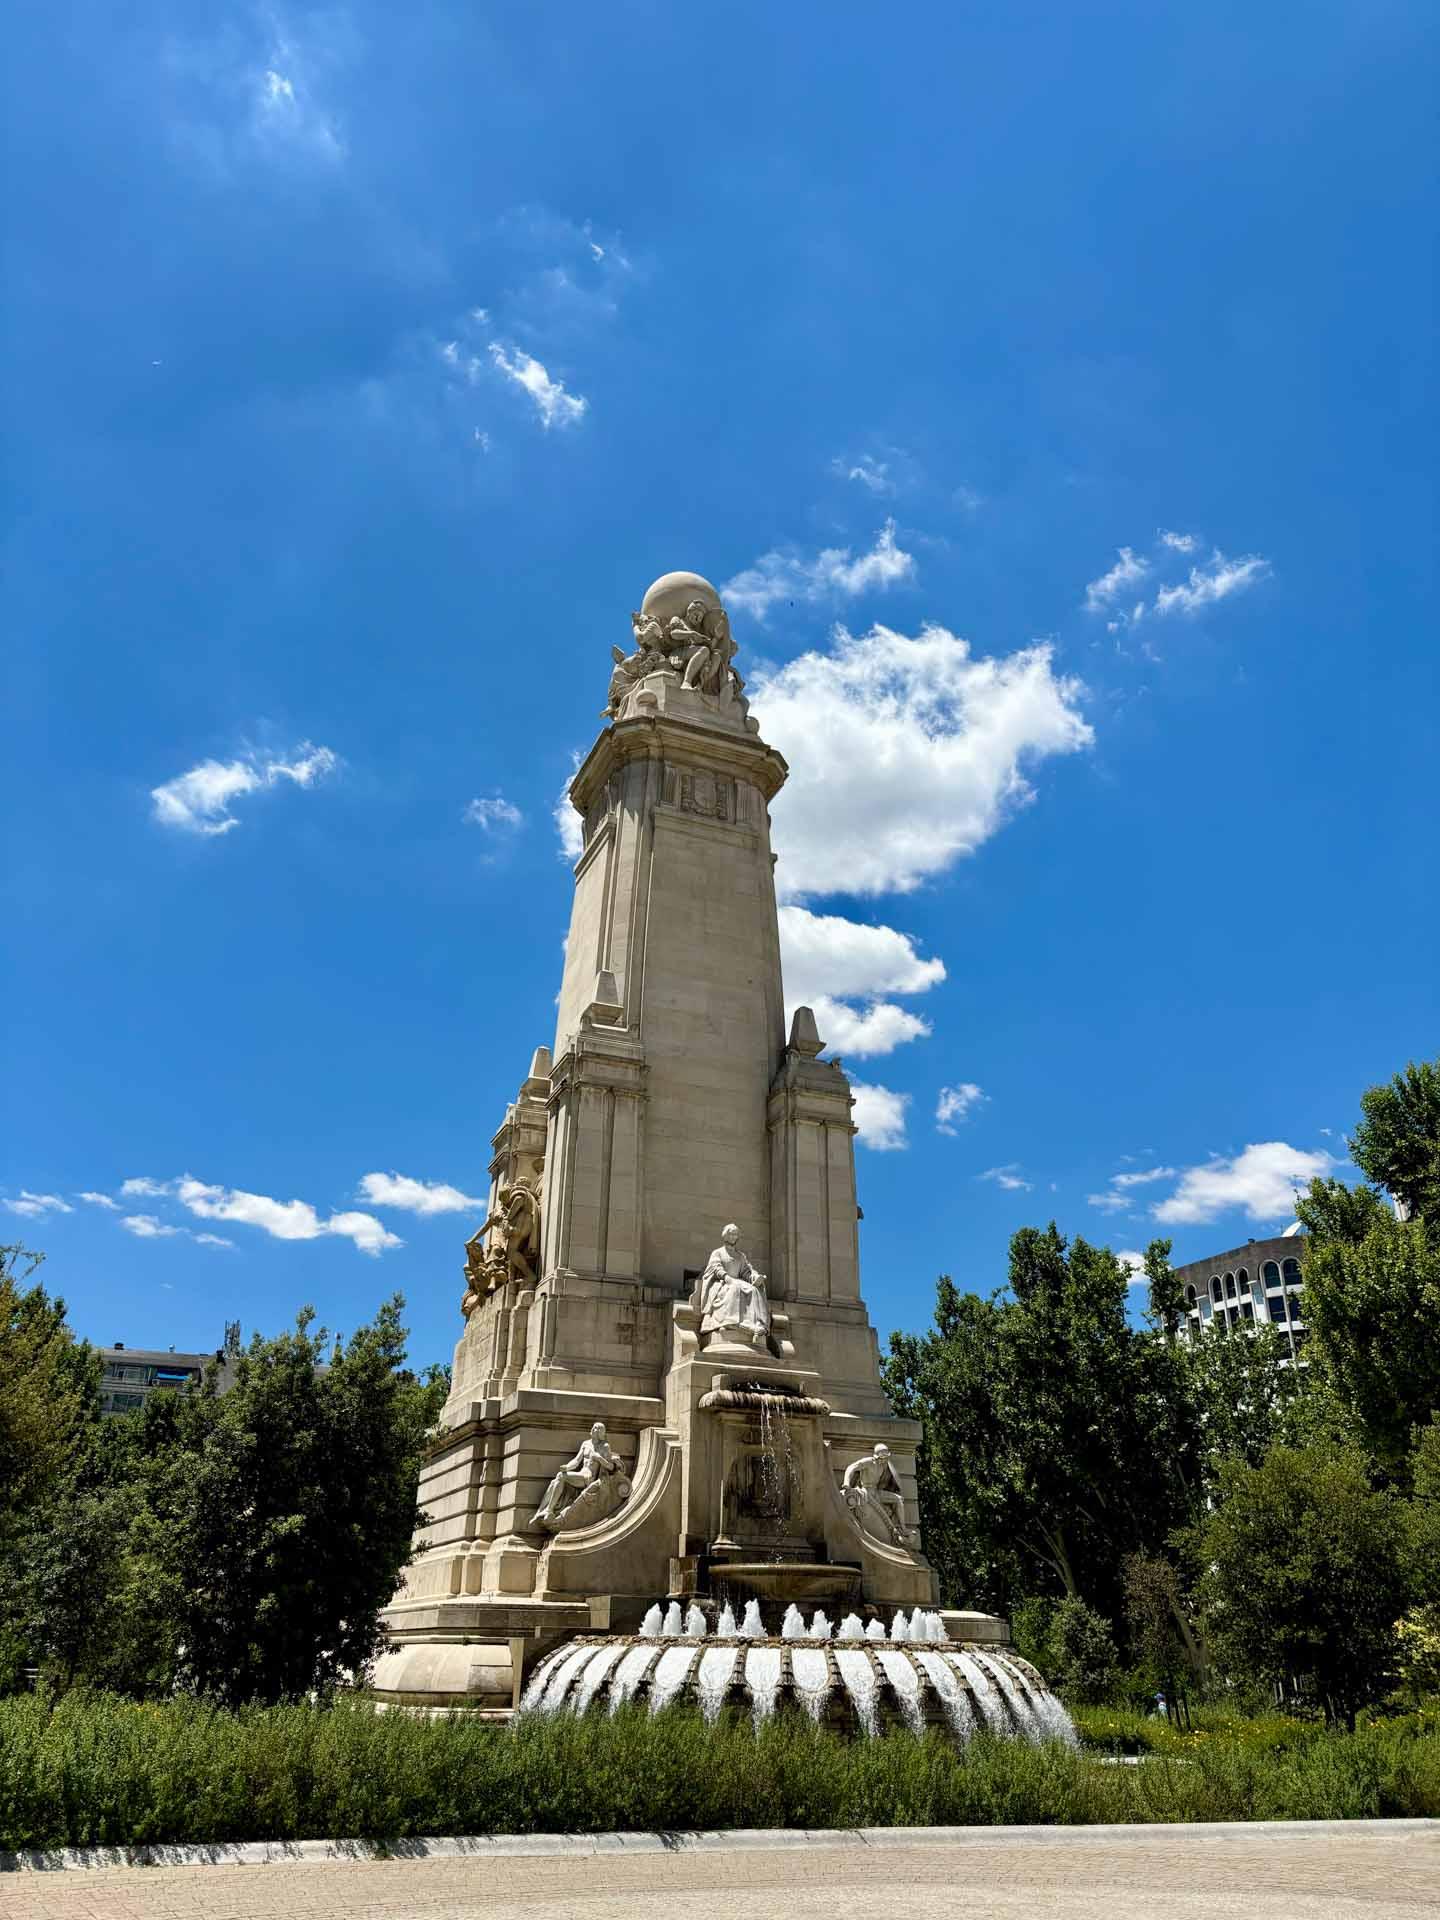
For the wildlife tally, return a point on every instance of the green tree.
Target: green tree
(1058, 1437)
(1397, 1143)
(1372, 1281)
(287, 1527)
(1084, 1666)
(1303, 1576)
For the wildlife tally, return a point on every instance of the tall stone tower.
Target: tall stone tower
(735, 1374)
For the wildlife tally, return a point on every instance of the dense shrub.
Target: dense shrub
(103, 1771)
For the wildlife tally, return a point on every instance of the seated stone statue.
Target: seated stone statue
(594, 1462)
(731, 1295)
(873, 1494)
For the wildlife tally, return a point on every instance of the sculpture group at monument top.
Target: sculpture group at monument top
(669, 1260)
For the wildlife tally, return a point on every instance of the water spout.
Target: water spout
(674, 1624)
(725, 1628)
(819, 1625)
(875, 1631)
(652, 1625)
(752, 1627)
(792, 1627)
(694, 1623)
(852, 1627)
(900, 1629)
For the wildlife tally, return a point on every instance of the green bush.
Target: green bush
(101, 1771)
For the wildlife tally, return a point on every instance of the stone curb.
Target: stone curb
(581, 1846)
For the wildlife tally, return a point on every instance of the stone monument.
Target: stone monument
(669, 1261)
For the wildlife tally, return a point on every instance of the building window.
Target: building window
(1277, 1308)
(1292, 1273)
(1215, 1291)
(1243, 1277)
(1270, 1274)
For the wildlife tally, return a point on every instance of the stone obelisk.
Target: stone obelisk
(670, 1108)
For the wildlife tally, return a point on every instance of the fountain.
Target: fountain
(862, 1677)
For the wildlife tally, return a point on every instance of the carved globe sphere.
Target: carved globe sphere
(673, 592)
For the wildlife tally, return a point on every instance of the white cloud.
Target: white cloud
(832, 574)
(1127, 570)
(145, 1226)
(556, 407)
(1109, 1202)
(824, 953)
(32, 1206)
(1143, 1177)
(492, 815)
(1008, 1176)
(865, 1031)
(99, 1200)
(905, 754)
(288, 120)
(955, 1105)
(199, 800)
(880, 1116)
(872, 474)
(282, 1219)
(829, 960)
(415, 1196)
(1135, 1263)
(1216, 580)
(1179, 542)
(1260, 1181)
(568, 824)
(212, 1240)
(142, 1187)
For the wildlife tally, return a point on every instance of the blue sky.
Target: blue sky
(1050, 387)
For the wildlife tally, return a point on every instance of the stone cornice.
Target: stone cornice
(678, 742)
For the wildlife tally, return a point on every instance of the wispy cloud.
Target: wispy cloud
(282, 1219)
(834, 573)
(1260, 1181)
(99, 1200)
(866, 1031)
(1009, 1177)
(199, 800)
(1118, 1195)
(33, 1206)
(415, 1196)
(555, 406)
(879, 1116)
(1126, 573)
(872, 474)
(1218, 579)
(955, 1105)
(1179, 542)
(148, 1226)
(492, 815)
(142, 1187)
(905, 754)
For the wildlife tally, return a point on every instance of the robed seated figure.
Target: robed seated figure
(731, 1295)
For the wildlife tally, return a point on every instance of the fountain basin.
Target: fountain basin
(851, 1686)
(799, 1581)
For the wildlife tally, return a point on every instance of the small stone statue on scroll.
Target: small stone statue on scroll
(873, 1495)
(586, 1489)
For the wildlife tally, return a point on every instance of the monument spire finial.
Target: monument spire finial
(682, 635)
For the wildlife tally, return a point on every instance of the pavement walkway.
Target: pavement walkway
(1363, 1870)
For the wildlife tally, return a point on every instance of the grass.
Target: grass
(101, 1771)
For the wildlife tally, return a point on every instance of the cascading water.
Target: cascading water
(762, 1677)
(858, 1678)
(594, 1672)
(558, 1683)
(982, 1693)
(535, 1686)
(953, 1697)
(905, 1683)
(717, 1669)
(670, 1676)
(628, 1676)
(811, 1673)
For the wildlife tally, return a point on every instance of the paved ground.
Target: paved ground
(1359, 1873)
